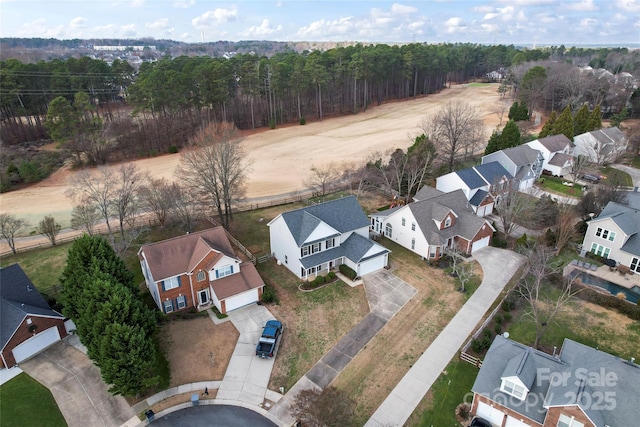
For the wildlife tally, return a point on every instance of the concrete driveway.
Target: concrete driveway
(633, 172)
(77, 387)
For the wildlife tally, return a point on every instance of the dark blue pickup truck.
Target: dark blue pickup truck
(269, 339)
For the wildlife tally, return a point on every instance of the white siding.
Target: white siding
(403, 234)
(452, 182)
(283, 246)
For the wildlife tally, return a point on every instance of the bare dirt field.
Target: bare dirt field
(281, 158)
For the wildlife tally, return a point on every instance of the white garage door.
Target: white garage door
(34, 344)
(241, 300)
(513, 422)
(479, 244)
(371, 265)
(493, 415)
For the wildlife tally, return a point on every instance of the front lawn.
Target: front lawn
(26, 402)
(617, 176)
(554, 184)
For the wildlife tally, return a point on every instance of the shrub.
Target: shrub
(330, 276)
(319, 280)
(498, 243)
(507, 317)
(269, 295)
(497, 329)
(508, 304)
(303, 121)
(498, 319)
(30, 172)
(348, 271)
(173, 149)
(272, 123)
(483, 342)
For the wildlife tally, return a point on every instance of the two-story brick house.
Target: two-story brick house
(318, 238)
(197, 270)
(579, 386)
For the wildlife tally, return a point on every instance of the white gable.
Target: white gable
(322, 231)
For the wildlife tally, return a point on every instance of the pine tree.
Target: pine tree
(595, 119)
(548, 126)
(514, 111)
(581, 120)
(564, 124)
(494, 143)
(510, 136)
(523, 112)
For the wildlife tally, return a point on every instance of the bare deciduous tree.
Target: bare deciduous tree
(463, 270)
(578, 166)
(565, 225)
(358, 176)
(9, 226)
(511, 206)
(543, 306)
(455, 129)
(129, 180)
(49, 228)
(320, 408)
(84, 216)
(160, 196)
(323, 178)
(187, 209)
(216, 168)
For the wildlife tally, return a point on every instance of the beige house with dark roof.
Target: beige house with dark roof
(198, 270)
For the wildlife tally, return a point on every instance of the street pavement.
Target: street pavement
(633, 172)
(498, 266)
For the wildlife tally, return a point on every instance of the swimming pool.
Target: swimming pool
(614, 289)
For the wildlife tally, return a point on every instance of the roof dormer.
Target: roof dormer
(518, 376)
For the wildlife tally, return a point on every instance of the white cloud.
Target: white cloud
(323, 29)
(582, 6)
(184, 4)
(629, 5)
(483, 9)
(78, 22)
(528, 2)
(137, 3)
(455, 24)
(39, 28)
(158, 24)
(213, 17)
(416, 25)
(128, 30)
(264, 29)
(490, 28)
(401, 9)
(588, 22)
(488, 16)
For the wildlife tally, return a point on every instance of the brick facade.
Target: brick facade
(22, 334)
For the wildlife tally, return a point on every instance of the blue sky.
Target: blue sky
(521, 22)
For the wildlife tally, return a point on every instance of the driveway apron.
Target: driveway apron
(77, 387)
(386, 294)
(498, 266)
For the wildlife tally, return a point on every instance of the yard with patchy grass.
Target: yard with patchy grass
(43, 266)
(26, 402)
(554, 184)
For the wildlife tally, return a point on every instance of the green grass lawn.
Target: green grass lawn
(636, 162)
(617, 176)
(26, 402)
(554, 184)
(43, 266)
(477, 84)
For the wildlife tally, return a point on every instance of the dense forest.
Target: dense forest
(162, 104)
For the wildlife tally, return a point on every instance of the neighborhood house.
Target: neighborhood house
(600, 146)
(615, 234)
(27, 324)
(522, 162)
(434, 223)
(579, 386)
(197, 270)
(318, 238)
(557, 154)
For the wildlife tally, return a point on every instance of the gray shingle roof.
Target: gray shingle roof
(18, 299)
(555, 143)
(492, 172)
(344, 214)
(560, 159)
(521, 155)
(609, 375)
(426, 192)
(628, 219)
(355, 248)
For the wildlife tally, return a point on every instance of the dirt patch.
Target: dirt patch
(197, 349)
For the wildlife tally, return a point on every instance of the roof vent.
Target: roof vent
(29, 289)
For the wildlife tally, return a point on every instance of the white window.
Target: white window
(311, 249)
(182, 302)
(413, 226)
(200, 276)
(168, 306)
(600, 250)
(566, 421)
(447, 222)
(404, 221)
(329, 243)
(315, 247)
(171, 283)
(635, 264)
(413, 244)
(224, 271)
(388, 231)
(305, 250)
(513, 389)
(612, 236)
(606, 234)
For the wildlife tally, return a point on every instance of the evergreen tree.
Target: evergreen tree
(514, 111)
(510, 136)
(595, 119)
(127, 359)
(548, 126)
(564, 124)
(494, 143)
(523, 112)
(581, 120)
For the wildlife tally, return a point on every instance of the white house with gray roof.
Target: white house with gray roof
(556, 152)
(434, 223)
(522, 162)
(483, 185)
(318, 238)
(601, 146)
(615, 234)
(579, 386)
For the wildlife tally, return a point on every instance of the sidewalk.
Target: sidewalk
(498, 266)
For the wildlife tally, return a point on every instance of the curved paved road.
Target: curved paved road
(213, 416)
(499, 266)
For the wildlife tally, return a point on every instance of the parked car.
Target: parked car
(480, 422)
(269, 340)
(594, 179)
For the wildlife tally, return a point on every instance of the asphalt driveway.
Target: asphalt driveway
(77, 387)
